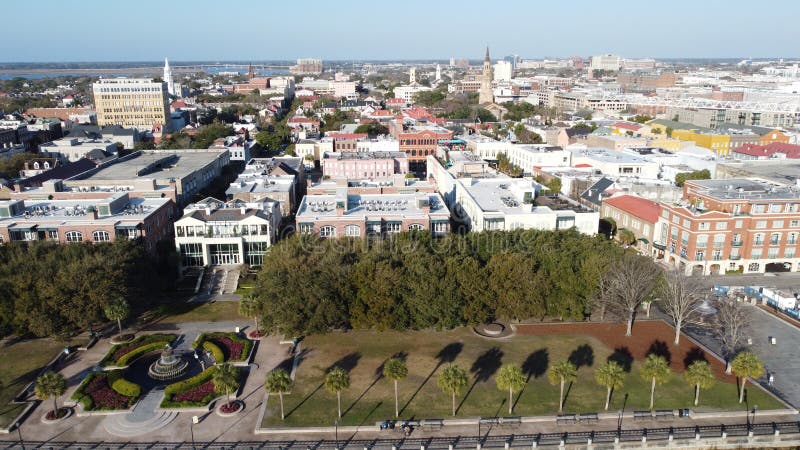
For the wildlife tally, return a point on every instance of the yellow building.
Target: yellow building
(671, 145)
(718, 143)
(132, 103)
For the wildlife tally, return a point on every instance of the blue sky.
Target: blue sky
(56, 30)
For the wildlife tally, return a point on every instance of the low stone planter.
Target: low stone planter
(46, 421)
(239, 408)
(122, 338)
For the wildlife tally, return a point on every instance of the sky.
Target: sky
(257, 30)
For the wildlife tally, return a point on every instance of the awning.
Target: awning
(659, 246)
(47, 228)
(21, 227)
(643, 240)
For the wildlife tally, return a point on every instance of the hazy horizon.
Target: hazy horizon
(148, 30)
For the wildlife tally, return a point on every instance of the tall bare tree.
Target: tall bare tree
(680, 297)
(730, 325)
(629, 282)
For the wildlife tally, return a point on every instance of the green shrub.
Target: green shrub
(216, 352)
(247, 345)
(185, 385)
(87, 402)
(130, 356)
(123, 386)
(135, 346)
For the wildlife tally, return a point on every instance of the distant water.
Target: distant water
(210, 71)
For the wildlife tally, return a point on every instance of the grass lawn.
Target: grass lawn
(245, 287)
(22, 361)
(180, 312)
(370, 397)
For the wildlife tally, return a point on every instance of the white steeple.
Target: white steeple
(168, 78)
(438, 72)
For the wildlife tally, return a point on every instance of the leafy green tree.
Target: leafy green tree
(703, 174)
(626, 237)
(610, 375)
(484, 115)
(746, 365)
(452, 380)
(117, 310)
(511, 378)
(336, 381)
(226, 378)
(654, 369)
(278, 381)
(372, 129)
(395, 369)
(700, 376)
(50, 385)
(560, 373)
(668, 131)
(642, 118)
(429, 98)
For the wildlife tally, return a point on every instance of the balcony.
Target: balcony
(735, 257)
(758, 242)
(774, 242)
(737, 243)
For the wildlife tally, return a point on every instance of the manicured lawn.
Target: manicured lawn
(370, 397)
(21, 362)
(181, 312)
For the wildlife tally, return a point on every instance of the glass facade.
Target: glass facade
(192, 254)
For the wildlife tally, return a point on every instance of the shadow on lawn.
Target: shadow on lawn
(582, 356)
(305, 399)
(346, 363)
(447, 354)
(623, 357)
(535, 366)
(483, 368)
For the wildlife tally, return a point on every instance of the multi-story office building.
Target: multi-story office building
(212, 232)
(114, 216)
(419, 141)
(132, 102)
(610, 63)
(742, 225)
(307, 66)
(372, 215)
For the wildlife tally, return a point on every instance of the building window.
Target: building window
(192, 254)
(704, 226)
(700, 255)
(753, 267)
(788, 253)
(179, 231)
(74, 236)
(761, 224)
(393, 227)
(721, 226)
(775, 239)
(415, 227)
(52, 235)
(306, 227)
(327, 231)
(702, 240)
(352, 230)
(756, 253)
(100, 236)
(758, 239)
(440, 227)
(791, 239)
(719, 240)
(254, 253)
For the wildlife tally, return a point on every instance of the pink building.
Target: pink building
(364, 165)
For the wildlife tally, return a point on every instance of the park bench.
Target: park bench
(509, 422)
(642, 415)
(566, 418)
(431, 424)
(588, 418)
(665, 414)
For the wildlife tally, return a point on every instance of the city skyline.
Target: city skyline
(415, 30)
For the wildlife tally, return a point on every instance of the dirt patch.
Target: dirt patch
(649, 336)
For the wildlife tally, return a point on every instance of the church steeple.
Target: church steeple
(485, 94)
(487, 59)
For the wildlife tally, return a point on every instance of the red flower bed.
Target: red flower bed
(229, 408)
(232, 349)
(195, 394)
(103, 396)
(256, 334)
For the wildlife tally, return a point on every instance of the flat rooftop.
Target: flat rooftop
(747, 188)
(349, 156)
(373, 205)
(785, 171)
(607, 155)
(157, 165)
(62, 212)
(498, 195)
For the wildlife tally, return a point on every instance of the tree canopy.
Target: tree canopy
(414, 281)
(696, 175)
(373, 129)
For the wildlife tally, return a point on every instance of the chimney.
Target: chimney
(208, 211)
(243, 210)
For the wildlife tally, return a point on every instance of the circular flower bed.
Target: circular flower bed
(255, 335)
(230, 409)
(122, 338)
(96, 393)
(52, 416)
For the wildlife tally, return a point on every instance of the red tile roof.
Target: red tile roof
(642, 208)
(790, 150)
(336, 135)
(628, 126)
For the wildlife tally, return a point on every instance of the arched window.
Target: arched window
(36, 165)
(74, 236)
(416, 227)
(327, 231)
(46, 165)
(100, 236)
(352, 230)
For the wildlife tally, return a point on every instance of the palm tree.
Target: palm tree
(226, 378)
(562, 372)
(50, 385)
(746, 364)
(336, 381)
(117, 310)
(510, 377)
(395, 369)
(452, 380)
(278, 381)
(699, 375)
(610, 375)
(250, 308)
(655, 369)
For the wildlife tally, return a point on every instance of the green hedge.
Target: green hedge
(247, 345)
(78, 395)
(185, 385)
(123, 386)
(215, 351)
(152, 341)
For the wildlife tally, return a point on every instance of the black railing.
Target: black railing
(659, 434)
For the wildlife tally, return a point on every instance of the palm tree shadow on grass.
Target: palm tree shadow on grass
(375, 381)
(566, 394)
(484, 367)
(535, 366)
(447, 354)
(305, 399)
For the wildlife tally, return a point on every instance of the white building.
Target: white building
(215, 233)
(503, 71)
(73, 149)
(605, 62)
(168, 79)
(407, 93)
(613, 163)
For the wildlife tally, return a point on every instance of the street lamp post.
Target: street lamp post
(19, 432)
(755, 410)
